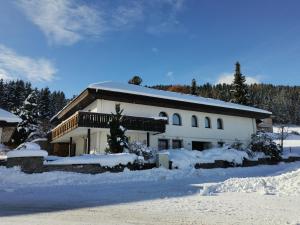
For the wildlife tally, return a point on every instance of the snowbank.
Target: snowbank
(183, 158)
(109, 160)
(9, 117)
(3, 151)
(285, 184)
(27, 149)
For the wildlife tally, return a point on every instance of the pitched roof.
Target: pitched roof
(145, 91)
(9, 117)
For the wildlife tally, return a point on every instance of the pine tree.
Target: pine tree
(240, 90)
(44, 108)
(135, 80)
(194, 87)
(117, 139)
(28, 129)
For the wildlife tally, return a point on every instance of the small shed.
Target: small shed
(8, 124)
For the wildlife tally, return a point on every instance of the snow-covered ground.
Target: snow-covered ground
(291, 142)
(156, 196)
(251, 195)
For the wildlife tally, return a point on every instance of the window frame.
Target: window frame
(166, 115)
(178, 141)
(163, 140)
(179, 118)
(209, 122)
(194, 119)
(220, 122)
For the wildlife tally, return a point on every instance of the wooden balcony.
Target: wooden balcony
(101, 120)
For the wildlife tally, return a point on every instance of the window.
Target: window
(176, 144)
(194, 121)
(163, 144)
(163, 114)
(207, 122)
(176, 119)
(220, 124)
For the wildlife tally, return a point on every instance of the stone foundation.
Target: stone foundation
(27, 164)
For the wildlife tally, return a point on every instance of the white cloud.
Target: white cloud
(227, 78)
(125, 16)
(13, 65)
(63, 21)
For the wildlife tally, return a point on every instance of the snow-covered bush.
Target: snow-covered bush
(262, 142)
(140, 149)
(237, 145)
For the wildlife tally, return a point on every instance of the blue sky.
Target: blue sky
(67, 44)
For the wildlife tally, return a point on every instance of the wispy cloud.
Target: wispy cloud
(170, 76)
(65, 22)
(167, 20)
(13, 66)
(227, 78)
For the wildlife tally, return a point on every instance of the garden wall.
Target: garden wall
(36, 165)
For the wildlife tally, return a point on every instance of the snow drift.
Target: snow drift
(183, 158)
(27, 149)
(285, 184)
(109, 160)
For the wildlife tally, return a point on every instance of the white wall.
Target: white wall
(235, 128)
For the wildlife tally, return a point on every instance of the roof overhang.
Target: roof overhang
(89, 95)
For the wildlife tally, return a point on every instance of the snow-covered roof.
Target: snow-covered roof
(145, 91)
(9, 117)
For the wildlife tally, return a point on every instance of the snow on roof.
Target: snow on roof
(9, 117)
(145, 91)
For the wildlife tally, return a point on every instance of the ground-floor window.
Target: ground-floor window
(176, 144)
(200, 145)
(163, 144)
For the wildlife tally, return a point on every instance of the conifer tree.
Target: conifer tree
(28, 129)
(137, 80)
(194, 87)
(240, 90)
(117, 139)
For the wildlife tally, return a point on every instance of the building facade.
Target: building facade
(159, 119)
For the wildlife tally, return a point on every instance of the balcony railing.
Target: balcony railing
(101, 120)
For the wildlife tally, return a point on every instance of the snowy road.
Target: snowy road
(146, 197)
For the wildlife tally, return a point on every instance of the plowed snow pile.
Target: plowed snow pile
(285, 184)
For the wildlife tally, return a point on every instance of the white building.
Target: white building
(193, 122)
(8, 124)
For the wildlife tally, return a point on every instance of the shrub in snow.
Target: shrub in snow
(117, 139)
(262, 142)
(295, 132)
(140, 149)
(237, 145)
